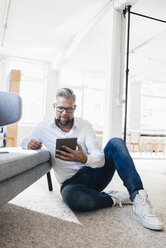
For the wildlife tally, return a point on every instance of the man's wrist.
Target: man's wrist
(84, 160)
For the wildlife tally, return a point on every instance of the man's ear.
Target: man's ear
(75, 106)
(54, 105)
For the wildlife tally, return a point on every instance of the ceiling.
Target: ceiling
(46, 29)
(147, 41)
(43, 29)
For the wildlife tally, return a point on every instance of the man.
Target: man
(85, 172)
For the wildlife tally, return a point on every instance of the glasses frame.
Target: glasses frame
(67, 109)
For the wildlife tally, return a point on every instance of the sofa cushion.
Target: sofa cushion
(20, 160)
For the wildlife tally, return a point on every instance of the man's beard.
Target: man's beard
(64, 123)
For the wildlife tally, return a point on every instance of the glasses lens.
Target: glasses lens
(59, 109)
(69, 110)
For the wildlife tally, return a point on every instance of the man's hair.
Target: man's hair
(66, 92)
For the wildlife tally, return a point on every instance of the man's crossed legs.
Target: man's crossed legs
(83, 191)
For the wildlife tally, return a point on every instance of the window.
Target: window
(89, 88)
(32, 89)
(153, 106)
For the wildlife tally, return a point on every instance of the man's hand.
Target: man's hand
(34, 144)
(72, 155)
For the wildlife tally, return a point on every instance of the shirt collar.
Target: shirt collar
(75, 123)
(52, 122)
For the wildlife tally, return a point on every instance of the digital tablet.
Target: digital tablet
(70, 142)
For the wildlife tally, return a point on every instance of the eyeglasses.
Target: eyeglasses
(68, 110)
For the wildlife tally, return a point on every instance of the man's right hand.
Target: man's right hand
(34, 144)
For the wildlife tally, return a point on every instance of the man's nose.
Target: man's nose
(64, 111)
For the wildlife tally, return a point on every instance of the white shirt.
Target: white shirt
(47, 132)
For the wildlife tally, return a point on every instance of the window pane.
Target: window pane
(33, 70)
(78, 102)
(95, 80)
(32, 101)
(32, 85)
(153, 106)
(74, 78)
(94, 107)
(89, 88)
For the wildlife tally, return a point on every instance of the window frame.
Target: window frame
(27, 78)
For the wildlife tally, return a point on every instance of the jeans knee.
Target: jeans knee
(115, 141)
(113, 144)
(77, 198)
(68, 194)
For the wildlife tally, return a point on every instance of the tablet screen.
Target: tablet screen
(70, 142)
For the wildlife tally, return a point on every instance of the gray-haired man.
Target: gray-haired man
(85, 172)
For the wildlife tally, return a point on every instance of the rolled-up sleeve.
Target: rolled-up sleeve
(95, 155)
(36, 134)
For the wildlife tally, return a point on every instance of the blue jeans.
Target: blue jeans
(82, 192)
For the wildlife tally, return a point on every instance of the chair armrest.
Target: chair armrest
(10, 108)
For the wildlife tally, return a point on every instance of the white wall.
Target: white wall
(1, 73)
(52, 85)
(134, 110)
(3, 65)
(113, 124)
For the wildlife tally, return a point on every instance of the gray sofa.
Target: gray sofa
(19, 168)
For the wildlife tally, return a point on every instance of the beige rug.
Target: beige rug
(38, 218)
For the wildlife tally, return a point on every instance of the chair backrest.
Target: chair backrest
(134, 136)
(10, 108)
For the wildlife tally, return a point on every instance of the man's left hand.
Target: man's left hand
(72, 155)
